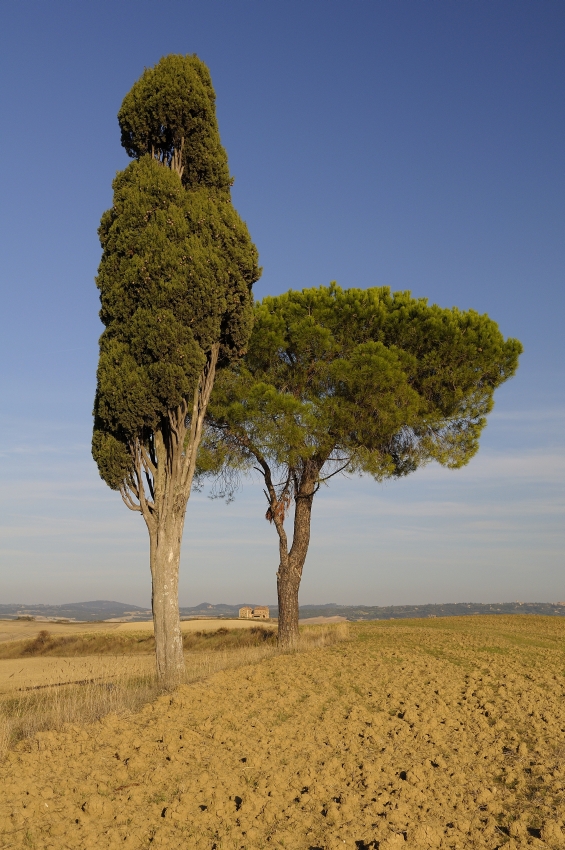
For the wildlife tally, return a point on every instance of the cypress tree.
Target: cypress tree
(175, 284)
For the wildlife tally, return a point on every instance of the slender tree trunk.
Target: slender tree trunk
(166, 465)
(291, 564)
(165, 549)
(288, 584)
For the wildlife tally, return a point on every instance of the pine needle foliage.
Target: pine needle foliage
(354, 380)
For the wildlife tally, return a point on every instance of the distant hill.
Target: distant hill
(105, 610)
(452, 609)
(100, 609)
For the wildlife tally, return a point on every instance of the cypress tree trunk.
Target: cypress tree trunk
(175, 446)
(165, 559)
(291, 564)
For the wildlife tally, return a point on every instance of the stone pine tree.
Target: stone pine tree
(175, 288)
(349, 381)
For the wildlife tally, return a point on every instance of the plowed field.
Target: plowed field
(445, 733)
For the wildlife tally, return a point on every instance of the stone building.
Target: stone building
(261, 612)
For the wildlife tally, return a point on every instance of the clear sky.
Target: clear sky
(407, 143)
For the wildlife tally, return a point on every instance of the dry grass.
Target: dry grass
(46, 644)
(313, 636)
(117, 686)
(112, 688)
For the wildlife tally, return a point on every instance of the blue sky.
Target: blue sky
(404, 143)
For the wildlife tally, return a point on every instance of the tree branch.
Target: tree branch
(127, 500)
(148, 463)
(200, 402)
(336, 472)
(176, 159)
(146, 506)
(150, 485)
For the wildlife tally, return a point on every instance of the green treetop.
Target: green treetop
(170, 113)
(351, 380)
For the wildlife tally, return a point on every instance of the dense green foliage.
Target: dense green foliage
(171, 106)
(177, 266)
(378, 381)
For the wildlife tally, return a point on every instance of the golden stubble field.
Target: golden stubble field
(444, 733)
(40, 671)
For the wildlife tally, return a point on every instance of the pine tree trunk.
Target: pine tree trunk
(291, 564)
(165, 559)
(288, 585)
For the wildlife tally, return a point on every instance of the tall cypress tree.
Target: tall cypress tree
(175, 284)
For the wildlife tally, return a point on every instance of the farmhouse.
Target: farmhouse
(261, 612)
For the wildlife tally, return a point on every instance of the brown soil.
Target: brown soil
(412, 735)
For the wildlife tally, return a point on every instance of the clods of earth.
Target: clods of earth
(411, 735)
